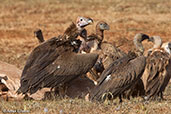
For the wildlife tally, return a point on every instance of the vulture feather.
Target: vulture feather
(158, 69)
(107, 52)
(122, 74)
(76, 88)
(54, 62)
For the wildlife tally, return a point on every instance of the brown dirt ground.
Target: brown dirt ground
(19, 18)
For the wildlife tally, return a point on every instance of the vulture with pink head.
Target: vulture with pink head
(54, 62)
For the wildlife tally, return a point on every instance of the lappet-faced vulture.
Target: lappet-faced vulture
(158, 69)
(122, 74)
(54, 62)
(76, 88)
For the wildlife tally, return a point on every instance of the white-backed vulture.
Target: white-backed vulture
(122, 74)
(54, 62)
(158, 69)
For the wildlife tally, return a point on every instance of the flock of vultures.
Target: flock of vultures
(77, 64)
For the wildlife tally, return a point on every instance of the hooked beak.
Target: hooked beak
(85, 21)
(90, 21)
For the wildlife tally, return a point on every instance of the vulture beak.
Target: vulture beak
(90, 21)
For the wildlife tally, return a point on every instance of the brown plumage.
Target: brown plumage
(107, 52)
(110, 53)
(54, 62)
(94, 40)
(158, 70)
(138, 88)
(76, 88)
(122, 74)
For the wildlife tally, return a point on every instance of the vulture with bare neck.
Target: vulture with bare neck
(122, 74)
(158, 69)
(107, 52)
(54, 62)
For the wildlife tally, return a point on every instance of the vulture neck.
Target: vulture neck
(72, 32)
(99, 34)
(95, 46)
(138, 44)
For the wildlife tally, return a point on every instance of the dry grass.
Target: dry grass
(19, 18)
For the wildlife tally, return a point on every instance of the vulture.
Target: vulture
(158, 69)
(107, 52)
(93, 42)
(54, 62)
(76, 88)
(122, 74)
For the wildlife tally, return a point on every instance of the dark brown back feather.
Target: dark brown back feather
(158, 76)
(52, 63)
(71, 33)
(124, 73)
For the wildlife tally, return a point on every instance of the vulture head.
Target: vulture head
(81, 22)
(76, 29)
(138, 42)
(157, 41)
(167, 47)
(102, 26)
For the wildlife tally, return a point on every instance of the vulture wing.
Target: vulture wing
(52, 63)
(119, 77)
(156, 75)
(112, 53)
(41, 52)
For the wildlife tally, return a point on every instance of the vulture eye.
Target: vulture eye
(81, 19)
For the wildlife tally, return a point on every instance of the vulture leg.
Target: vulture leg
(27, 98)
(120, 98)
(161, 96)
(128, 97)
(63, 90)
